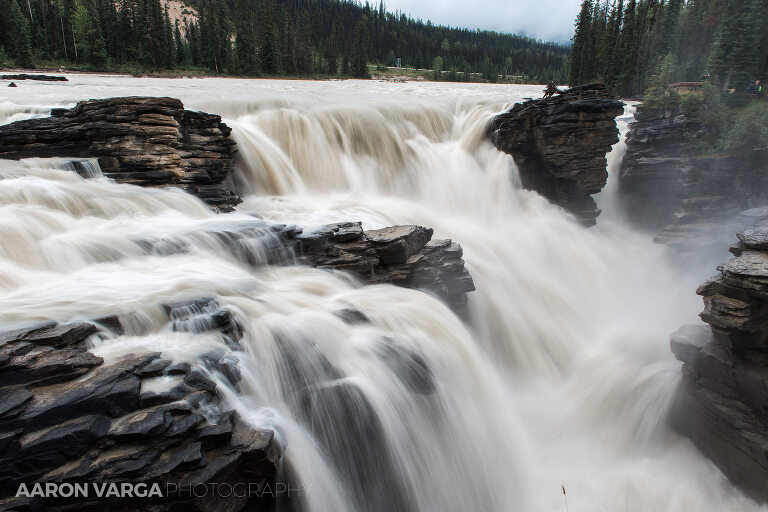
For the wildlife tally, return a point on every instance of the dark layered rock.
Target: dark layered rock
(402, 255)
(722, 404)
(140, 140)
(39, 78)
(560, 145)
(692, 200)
(66, 417)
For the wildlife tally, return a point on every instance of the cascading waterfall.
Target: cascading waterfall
(562, 376)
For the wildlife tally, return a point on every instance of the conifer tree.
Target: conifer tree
(245, 39)
(20, 36)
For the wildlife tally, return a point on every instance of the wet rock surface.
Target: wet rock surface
(722, 403)
(560, 145)
(692, 201)
(40, 78)
(402, 255)
(145, 141)
(66, 416)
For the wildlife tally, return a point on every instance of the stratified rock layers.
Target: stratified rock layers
(722, 404)
(67, 416)
(560, 145)
(141, 140)
(691, 200)
(402, 255)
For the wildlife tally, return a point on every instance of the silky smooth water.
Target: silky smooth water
(562, 375)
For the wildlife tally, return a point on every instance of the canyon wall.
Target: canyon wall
(693, 201)
(722, 403)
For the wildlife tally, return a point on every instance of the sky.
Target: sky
(550, 20)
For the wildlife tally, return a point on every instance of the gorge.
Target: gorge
(555, 371)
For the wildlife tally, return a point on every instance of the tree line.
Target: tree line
(626, 42)
(263, 38)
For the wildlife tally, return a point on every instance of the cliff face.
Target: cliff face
(560, 145)
(691, 200)
(722, 404)
(141, 140)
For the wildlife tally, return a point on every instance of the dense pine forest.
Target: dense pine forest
(262, 38)
(628, 42)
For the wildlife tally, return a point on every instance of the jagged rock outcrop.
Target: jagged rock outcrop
(141, 140)
(560, 145)
(68, 417)
(692, 200)
(402, 255)
(722, 404)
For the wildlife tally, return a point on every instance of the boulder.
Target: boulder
(145, 141)
(560, 145)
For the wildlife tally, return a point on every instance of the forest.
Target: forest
(626, 42)
(263, 38)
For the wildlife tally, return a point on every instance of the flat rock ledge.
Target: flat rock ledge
(66, 416)
(145, 141)
(39, 78)
(560, 145)
(722, 404)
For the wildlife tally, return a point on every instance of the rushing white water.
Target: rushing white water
(562, 376)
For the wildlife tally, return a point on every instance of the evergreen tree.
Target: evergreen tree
(580, 39)
(359, 59)
(245, 39)
(19, 39)
(268, 49)
(91, 45)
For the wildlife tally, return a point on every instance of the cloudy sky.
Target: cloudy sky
(542, 19)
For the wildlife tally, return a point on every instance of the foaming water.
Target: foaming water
(562, 376)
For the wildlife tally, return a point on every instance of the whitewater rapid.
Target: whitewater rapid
(561, 377)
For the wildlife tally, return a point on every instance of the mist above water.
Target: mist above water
(562, 376)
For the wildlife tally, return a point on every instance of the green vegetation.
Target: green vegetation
(623, 42)
(642, 46)
(261, 38)
(727, 125)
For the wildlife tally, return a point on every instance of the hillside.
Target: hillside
(261, 37)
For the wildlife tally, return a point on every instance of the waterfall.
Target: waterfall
(561, 375)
